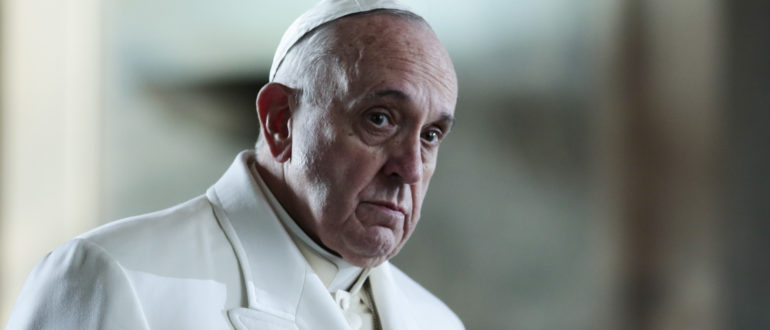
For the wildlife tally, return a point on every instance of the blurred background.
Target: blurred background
(609, 168)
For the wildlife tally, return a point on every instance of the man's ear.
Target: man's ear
(274, 111)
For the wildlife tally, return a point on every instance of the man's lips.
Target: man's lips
(388, 205)
(381, 213)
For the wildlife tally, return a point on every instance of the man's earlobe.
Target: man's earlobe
(274, 111)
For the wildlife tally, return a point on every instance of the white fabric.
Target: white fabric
(355, 303)
(323, 12)
(219, 261)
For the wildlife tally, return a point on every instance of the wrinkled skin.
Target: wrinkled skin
(359, 166)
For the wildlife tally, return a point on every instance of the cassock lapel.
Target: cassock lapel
(282, 291)
(393, 308)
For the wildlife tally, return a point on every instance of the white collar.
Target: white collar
(334, 272)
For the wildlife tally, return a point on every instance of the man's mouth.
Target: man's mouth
(389, 205)
(387, 214)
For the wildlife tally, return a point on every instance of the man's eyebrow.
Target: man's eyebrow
(392, 93)
(448, 119)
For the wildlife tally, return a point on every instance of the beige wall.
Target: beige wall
(50, 131)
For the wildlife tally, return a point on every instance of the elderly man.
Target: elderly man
(296, 234)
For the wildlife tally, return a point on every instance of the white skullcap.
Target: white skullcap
(325, 11)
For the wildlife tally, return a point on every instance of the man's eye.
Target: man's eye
(431, 135)
(378, 118)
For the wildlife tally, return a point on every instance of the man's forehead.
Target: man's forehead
(404, 97)
(380, 31)
(322, 13)
(425, 80)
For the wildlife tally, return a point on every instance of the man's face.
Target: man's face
(360, 167)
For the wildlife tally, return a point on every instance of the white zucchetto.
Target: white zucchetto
(323, 12)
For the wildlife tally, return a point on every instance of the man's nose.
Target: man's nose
(405, 162)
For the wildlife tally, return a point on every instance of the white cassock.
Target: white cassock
(222, 260)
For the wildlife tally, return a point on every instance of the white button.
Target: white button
(354, 320)
(342, 299)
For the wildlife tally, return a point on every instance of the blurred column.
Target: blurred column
(747, 179)
(660, 138)
(50, 131)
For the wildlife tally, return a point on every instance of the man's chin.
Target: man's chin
(371, 252)
(365, 261)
